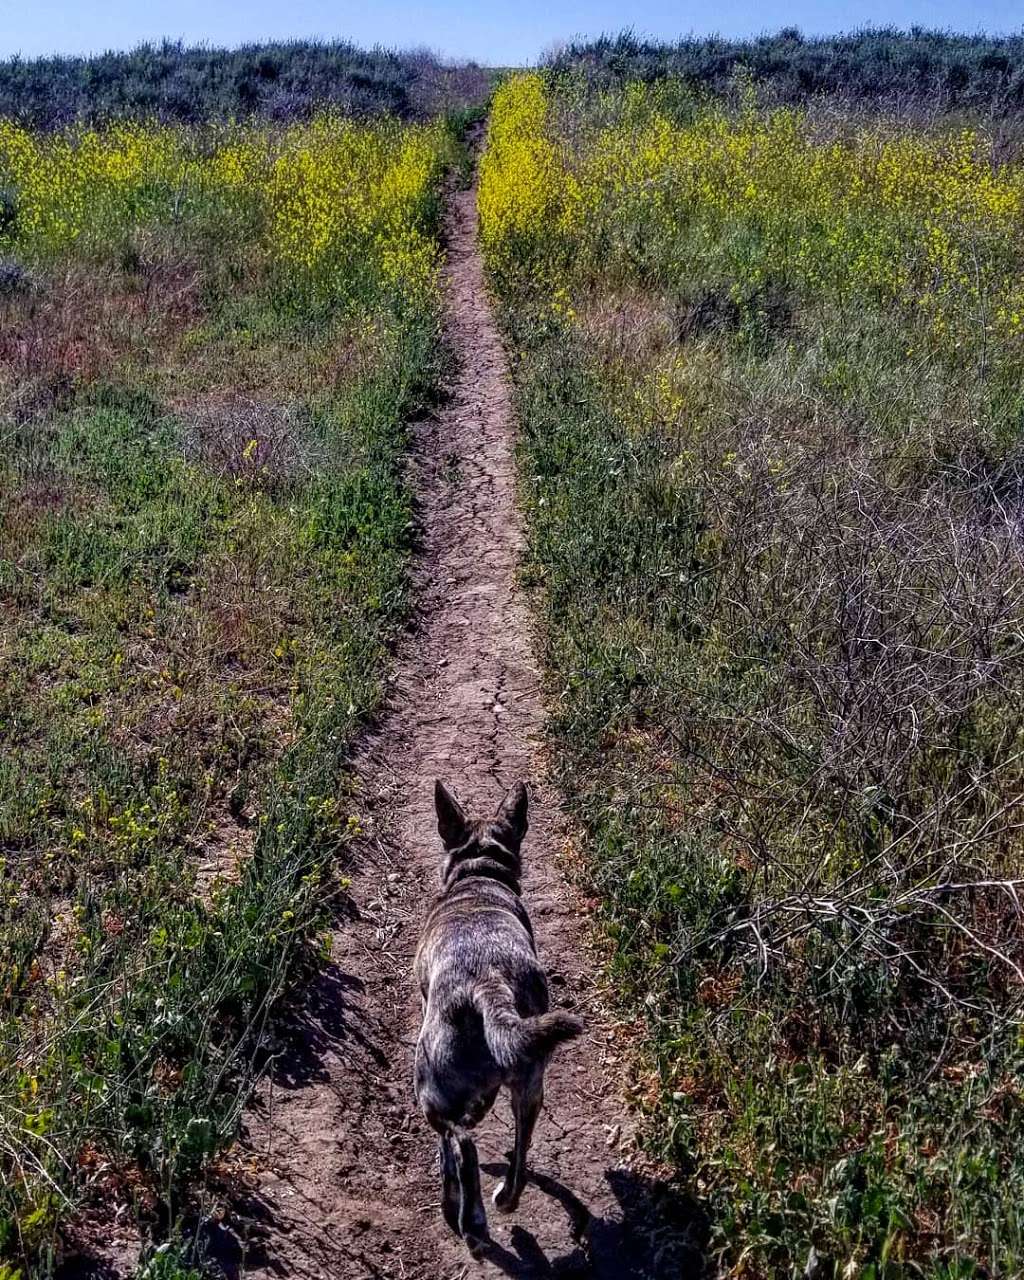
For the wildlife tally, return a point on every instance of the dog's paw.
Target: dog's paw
(505, 1198)
(475, 1244)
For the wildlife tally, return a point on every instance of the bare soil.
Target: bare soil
(344, 1179)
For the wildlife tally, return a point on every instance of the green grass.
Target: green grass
(205, 531)
(682, 650)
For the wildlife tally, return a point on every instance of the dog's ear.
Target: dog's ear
(452, 824)
(512, 812)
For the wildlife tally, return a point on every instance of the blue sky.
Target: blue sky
(494, 32)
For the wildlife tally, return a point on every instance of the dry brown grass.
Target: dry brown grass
(237, 436)
(84, 323)
(627, 325)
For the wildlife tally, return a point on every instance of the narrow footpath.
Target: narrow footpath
(344, 1169)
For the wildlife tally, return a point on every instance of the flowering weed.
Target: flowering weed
(768, 379)
(203, 532)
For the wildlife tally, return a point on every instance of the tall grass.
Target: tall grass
(211, 342)
(766, 373)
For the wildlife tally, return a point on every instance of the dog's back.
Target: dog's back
(485, 996)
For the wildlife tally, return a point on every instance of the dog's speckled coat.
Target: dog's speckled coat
(486, 1022)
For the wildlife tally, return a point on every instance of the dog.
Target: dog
(485, 1006)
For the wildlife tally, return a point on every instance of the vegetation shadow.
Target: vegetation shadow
(325, 1012)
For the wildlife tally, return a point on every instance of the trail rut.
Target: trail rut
(346, 1182)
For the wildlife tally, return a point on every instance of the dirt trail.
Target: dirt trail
(346, 1169)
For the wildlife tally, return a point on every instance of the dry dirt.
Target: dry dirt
(345, 1181)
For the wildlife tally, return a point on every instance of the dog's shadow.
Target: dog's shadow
(659, 1233)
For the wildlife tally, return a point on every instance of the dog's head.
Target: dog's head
(494, 840)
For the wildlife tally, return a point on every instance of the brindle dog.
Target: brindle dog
(485, 1006)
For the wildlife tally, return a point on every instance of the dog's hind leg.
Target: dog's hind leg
(527, 1100)
(451, 1195)
(472, 1219)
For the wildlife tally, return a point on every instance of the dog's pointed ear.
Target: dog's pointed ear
(452, 823)
(512, 812)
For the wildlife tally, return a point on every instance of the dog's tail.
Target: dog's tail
(513, 1040)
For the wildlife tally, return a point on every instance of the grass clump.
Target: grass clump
(771, 454)
(204, 534)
